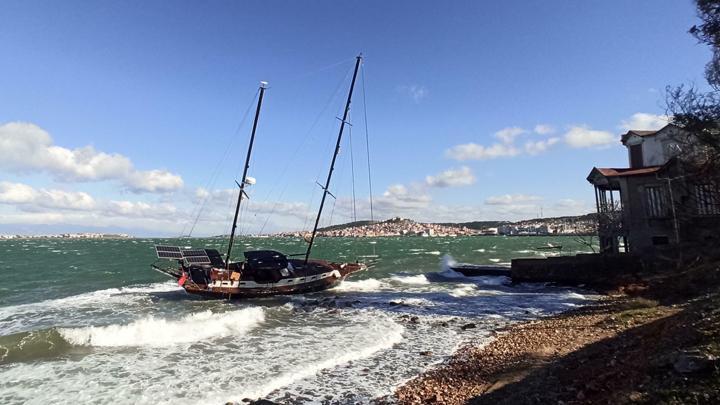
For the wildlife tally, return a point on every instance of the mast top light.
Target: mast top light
(263, 84)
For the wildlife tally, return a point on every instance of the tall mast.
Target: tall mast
(263, 86)
(337, 150)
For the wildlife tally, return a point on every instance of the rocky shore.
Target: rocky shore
(654, 343)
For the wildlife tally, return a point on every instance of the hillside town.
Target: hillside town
(585, 225)
(84, 235)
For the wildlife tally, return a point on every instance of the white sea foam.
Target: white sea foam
(151, 331)
(446, 268)
(369, 284)
(17, 318)
(380, 334)
(494, 260)
(417, 279)
(463, 290)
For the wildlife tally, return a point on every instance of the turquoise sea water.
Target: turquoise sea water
(88, 320)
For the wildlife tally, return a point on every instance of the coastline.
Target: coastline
(627, 347)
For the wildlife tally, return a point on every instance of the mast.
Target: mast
(337, 150)
(263, 86)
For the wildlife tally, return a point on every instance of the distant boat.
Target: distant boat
(549, 246)
(263, 272)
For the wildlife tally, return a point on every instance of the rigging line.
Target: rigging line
(322, 69)
(367, 144)
(213, 178)
(341, 173)
(352, 172)
(305, 138)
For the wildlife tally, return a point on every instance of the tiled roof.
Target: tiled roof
(625, 172)
(641, 133)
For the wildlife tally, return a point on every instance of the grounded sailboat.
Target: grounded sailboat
(263, 272)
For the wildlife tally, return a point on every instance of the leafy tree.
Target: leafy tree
(696, 111)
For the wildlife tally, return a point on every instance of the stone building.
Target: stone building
(654, 204)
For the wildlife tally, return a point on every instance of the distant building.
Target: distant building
(652, 204)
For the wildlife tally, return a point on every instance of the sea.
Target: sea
(89, 321)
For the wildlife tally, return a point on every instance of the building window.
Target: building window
(656, 202)
(708, 199)
(636, 156)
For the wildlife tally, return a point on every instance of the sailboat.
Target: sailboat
(207, 273)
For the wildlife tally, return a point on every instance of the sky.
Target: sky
(135, 116)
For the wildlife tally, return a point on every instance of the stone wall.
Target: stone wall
(592, 270)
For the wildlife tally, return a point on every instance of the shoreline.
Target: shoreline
(627, 347)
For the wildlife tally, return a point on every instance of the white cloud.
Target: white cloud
(140, 209)
(584, 137)
(543, 129)
(511, 199)
(27, 148)
(645, 121)
(452, 178)
(537, 147)
(416, 92)
(31, 199)
(508, 135)
(473, 151)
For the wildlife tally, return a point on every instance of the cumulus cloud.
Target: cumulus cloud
(416, 92)
(452, 178)
(537, 147)
(473, 151)
(645, 121)
(510, 199)
(26, 148)
(31, 199)
(584, 137)
(543, 129)
(140, 209)
(508, 135)
(505, 148)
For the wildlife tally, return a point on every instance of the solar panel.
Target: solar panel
(191, 256)
(197, 260)
(169, 255)
(168, 252)
(193, 252)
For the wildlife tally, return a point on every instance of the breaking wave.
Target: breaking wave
(369, 284)
(161, 332)
(416, 279)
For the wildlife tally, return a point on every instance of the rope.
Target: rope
(297, 150)
(367, 145)
(213, 177)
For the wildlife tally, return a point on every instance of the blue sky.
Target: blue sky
(115, 115)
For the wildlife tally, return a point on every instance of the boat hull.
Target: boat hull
(319, 276)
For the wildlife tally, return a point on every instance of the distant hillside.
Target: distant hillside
(346, 225)
(474, 224)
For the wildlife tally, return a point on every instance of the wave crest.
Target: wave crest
(151, 331)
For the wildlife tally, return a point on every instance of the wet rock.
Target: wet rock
(468, 326)
(414, 319)
(263, 402)
(426, 353)
(694, 362)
